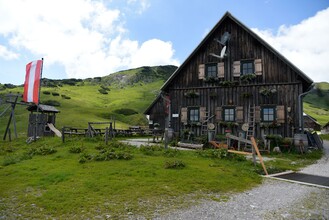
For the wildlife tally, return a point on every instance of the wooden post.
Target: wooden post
(106, 135)
(253, 155)
(258, 153)
(63, 134)
(13, 105)
(111, 131)
(9, 134)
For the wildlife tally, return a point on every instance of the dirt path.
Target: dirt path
(274, 199)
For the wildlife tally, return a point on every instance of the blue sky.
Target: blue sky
(89, 38)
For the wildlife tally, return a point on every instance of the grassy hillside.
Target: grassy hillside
(316, 103)
(123, 96)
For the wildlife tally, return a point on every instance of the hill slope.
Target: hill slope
(123, 95)
(316, 103)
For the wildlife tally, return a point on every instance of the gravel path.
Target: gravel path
(274, 199)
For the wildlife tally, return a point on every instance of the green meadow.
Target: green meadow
(86, 179)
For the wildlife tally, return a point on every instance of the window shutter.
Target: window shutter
(239, 114)
(218, 114)
(202, 68)
(280, 114)
(257, 114)
(258, 67)
(183, 115)
(236, 68)
(220, 70)
(202, 114)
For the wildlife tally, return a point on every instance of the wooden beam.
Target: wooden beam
(238, 139)
(218, 145)
(239, 152)
(254, 144)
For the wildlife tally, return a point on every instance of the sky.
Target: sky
(92, 38)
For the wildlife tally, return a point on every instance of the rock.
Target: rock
(276, 150)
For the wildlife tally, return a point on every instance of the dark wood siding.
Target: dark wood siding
(273, 74)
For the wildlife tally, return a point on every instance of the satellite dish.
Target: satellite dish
(225, 37)
(222, 53)
(245, 127)
(211, 126)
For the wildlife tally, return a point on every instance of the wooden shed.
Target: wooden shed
(43, 115)
(310, 123)
(233, 81)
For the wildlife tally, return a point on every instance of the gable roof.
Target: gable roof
(43, 108)
(228, 15)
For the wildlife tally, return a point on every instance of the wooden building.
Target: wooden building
(44, 116)
(232, 82)
(310, 123)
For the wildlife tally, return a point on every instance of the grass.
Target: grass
(291, 161)
(86, 104)
(54, 183)
(320, 114)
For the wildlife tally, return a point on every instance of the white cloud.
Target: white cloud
(6, 54)
(141, 4)
(305, 44)
(86, 37)
(154, 52)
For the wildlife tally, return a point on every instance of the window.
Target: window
(211, 70)
(247, 67)
(194, 114)
(229, 114)
(268, 114)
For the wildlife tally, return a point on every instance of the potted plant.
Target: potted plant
(192, 94)
(211, 79)
(267, 92)
(248, 77)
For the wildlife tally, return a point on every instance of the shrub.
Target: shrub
(10, 159)
(55, 93)
(110, 154)
(46, 92)
(52, 102)
(124, 156)
(9, 86)
(76, 150)
(66, 97)
(101, 147)
(126, 111)
(150, 149)
(43, 150)
(71, 82)
(103, 91)
(84, 157)
(2, 87)
(105, 88)
(213, 153)
(175, 164)
(171, 152)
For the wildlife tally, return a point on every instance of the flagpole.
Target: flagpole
(40, 80)
(36, 118)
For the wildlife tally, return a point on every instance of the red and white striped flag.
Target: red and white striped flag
(32, 81)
